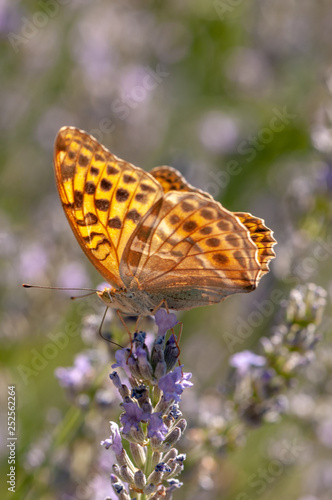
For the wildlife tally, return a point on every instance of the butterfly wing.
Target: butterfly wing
(104, 198)
(171, 179)
(262, 236)
(191, 251)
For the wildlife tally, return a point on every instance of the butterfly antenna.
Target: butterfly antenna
(102, 336)
(26, 285)
(81, 296)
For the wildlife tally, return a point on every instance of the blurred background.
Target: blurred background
(237, 96)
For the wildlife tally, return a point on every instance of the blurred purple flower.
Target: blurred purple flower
(33, 262)
(114, 441)
(73, 275)
(324, 433)
(164, 321)
(218, 132)
(75, 376)
(174, 383)
(156, 427)
(132, 417)
(244, 360)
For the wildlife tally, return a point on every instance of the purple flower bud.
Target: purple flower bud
(174, 383)
(164, 321)
(173, 484)
(139, 338)
(143, 363)
(116, 380)
(171, 352)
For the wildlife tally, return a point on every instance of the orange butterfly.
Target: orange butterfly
(155, 238)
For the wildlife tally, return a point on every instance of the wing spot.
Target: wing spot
(67, 171)
(122, 194)
(90, 187)
(88, 238)
(106, 185)
(147, 188)
(99, 157)
(233, 239)
(83, 160)
(220, 258)
(94, 170)
(189, 226)
(71, 155)
(174, 219)
(78, 199)
(102, 204)
(133, 215)
(213, 242)
(223, 225)
(112, 170)
(141, 197)
(239, 257)
(105, 241)
(129, 179)
(187, 207)
(115, 223)
(206, 230)
(89, 219)
(207, 214)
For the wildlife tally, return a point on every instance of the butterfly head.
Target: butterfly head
(126, 301)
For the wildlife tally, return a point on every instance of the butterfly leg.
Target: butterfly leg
(101, 335)
(124, 324)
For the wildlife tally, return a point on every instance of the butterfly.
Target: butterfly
(157, 240)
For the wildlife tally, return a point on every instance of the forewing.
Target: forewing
(103, 196)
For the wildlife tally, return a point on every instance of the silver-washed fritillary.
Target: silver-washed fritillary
(154, 238)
